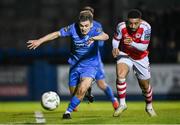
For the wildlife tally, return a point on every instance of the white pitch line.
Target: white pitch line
(39, 117)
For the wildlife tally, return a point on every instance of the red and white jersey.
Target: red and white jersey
(142, 35)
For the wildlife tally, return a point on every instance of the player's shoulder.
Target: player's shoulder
(73, 25)
(97, 26)
(69, 27)
(120, 26)
(96, 23)
(145, 25)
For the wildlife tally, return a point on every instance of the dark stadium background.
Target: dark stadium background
(26, 74)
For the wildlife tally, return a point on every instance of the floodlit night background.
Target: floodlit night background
(26, 74)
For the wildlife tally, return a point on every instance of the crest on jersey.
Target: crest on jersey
(138, 35)
(126, 35)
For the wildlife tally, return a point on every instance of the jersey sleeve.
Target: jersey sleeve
(118, 33)
(139, 46)
(99, 30)
(98, 27)
(65, 31)
(145, 38)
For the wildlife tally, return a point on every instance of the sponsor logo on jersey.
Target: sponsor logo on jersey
(147, 34)
(81, 44)
(147, 31)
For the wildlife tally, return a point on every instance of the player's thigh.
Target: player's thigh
(84, 84)
(100, 78)
(87, 74)
(142, 69)
(123, 67)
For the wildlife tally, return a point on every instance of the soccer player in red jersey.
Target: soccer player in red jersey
(130, 44)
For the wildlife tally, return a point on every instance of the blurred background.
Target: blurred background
(26, 74)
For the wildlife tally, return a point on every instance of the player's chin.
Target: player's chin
(84, 33)
(132, 29)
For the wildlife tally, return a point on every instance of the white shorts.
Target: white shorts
(140, 67)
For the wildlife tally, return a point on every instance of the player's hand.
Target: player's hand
(90, 41)
(128, 40)
(33, 44)
(115, 52)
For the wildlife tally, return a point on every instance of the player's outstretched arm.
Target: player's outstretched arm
(33, 44)
(103, 36)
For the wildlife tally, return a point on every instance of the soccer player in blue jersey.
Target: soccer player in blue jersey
(84, 58)
(100, 77)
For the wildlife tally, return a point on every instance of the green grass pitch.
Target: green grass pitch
(94, 113)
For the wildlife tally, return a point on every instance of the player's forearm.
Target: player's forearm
(139, 46)
(115, 43)
(49, 37)
(103, 36)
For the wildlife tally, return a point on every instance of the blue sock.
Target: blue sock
(109, 93)
(73, 104)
